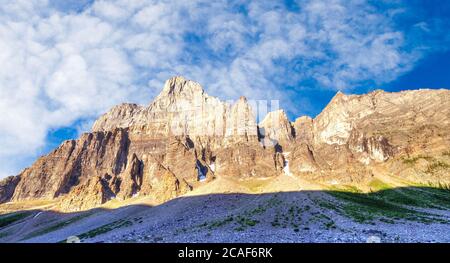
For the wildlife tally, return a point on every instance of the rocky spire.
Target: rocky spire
(159, 150)
(276, 126)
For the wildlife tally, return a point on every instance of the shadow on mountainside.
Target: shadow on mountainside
(304, 216)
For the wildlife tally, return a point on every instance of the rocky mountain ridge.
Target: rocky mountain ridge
(186, 138)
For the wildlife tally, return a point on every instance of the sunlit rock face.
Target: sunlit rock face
(277, 127)
(73, 162)
(185, 139)
(376, 148)
(366, 130)
(303, 129)
(162, 151)
(182, 108)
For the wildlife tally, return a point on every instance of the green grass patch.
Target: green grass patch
(440, 186)
(390, 205)
(8, 219)
(330, 225)
(288, 217)
(413, 160)
(220, 223)
(404, 197)
(362, 208)
(345, 188)
(377, 185)
(258, 210)
(435, 197)
(245, 221)
(365, 208)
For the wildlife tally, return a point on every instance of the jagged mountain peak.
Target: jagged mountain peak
(119, 116)
(339, 96)
(179, 85)
(130, 149)
(183, 108)
(277, 127)
(243, 99)
(276, 114)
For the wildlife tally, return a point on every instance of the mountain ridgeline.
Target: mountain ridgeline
(186, 139)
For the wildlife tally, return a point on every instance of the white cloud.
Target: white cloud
(59, 67)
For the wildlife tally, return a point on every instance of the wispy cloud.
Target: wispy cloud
(61, 63)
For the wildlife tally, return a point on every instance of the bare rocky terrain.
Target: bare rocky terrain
(191, 168)
(401, 215)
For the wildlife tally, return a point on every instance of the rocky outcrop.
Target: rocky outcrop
(182, 108)
(162, 151)
(120, 116)
(72, 163)
(130, 180)
(374, 128)
(91, 193)
(375, 148)
(7, 188)
(161, 183)
(246, 160)
(303, 129)
(302, 159)
(275, 128)
(391, 115)
(186, 138)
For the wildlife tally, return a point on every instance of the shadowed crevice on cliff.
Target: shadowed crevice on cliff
(245, 217)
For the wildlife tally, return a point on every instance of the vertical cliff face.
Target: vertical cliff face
(162, 150)
(183, 108)
(361, 131)
(93, 192)
(129, 182)
(186, 138)
(7, 188)
(276, 128)
(72, 163)
(381, 113)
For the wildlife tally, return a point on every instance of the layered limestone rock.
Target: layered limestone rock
(275, 128)
(130, 181)
(162, 151)
(183, 108)
(248, 160)
(91, 193)
(391, 115)
(160, 182)
(241, 123)
(364, 130)
(72, 163)
(375, 148)
(186, 138)
(303, 129)
(302, 159)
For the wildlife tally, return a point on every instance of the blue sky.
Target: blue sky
(67, 62)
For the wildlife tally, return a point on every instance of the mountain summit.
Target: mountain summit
(186, 139)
